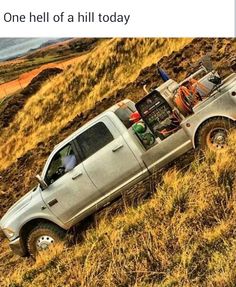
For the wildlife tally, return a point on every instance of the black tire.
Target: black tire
(213, 134)
(43, 235)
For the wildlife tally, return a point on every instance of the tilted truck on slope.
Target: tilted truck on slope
(110, 153)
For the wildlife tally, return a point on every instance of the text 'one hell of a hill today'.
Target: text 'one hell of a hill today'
(79, 17)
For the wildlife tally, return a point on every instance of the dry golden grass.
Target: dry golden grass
(183, 236)
(98, 74)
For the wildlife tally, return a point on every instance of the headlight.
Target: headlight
(8, 232)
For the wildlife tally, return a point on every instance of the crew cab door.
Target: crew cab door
(107, 158)
(70, 190)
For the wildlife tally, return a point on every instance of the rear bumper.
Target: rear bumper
(17, 247)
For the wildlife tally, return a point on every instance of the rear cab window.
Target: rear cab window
(93, 139)
(124, 112)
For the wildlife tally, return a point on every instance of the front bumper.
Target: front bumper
(17, 247)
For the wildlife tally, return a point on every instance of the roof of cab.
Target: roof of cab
(111, 109)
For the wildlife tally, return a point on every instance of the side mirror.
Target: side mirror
(42, 183)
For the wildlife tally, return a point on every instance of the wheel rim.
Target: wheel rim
(217, 138)
(43, 242)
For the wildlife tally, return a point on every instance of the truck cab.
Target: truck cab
(104, 160)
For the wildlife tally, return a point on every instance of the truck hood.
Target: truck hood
(16, 207)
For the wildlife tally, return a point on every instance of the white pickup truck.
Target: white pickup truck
(108, 155)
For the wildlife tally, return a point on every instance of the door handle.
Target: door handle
(117, 148)
(77, 175)
(52, 202)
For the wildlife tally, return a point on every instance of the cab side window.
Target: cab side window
(93, 139)
(62, 162)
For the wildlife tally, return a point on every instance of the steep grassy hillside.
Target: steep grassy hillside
(112, 65)
(183, 236)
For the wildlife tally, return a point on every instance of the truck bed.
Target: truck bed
(163, 153)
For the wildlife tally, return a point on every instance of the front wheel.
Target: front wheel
(213, 135)
(43, 236)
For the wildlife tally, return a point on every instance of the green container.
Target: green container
(139, 128)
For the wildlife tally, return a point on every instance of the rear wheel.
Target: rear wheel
(213, 135)
(43, 236)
